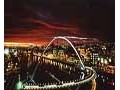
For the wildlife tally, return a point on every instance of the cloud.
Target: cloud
(35, 20)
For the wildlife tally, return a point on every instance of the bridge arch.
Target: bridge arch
(66, 39)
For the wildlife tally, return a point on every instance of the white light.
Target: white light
(15, 53)
(98, 59)
(101, 76)
(6, 51)
(109, 59)
(103, 80)
(32, 87)
(105, 61)
(101, 60)
(113, 83)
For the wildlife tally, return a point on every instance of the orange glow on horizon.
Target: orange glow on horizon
(21, 44)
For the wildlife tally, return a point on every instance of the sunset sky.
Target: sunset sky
(36, 21)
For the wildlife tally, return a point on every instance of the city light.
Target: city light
(105, 61)
(52, 67)
(102, 60)
(109, 59)
(6, 51)
(19, 85)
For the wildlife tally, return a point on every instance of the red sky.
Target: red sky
(36, 21)
(43, 32)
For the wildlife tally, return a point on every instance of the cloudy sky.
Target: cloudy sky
(37, 21)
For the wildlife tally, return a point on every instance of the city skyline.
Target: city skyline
(59, 44)
(73, 64)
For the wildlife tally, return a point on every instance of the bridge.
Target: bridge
(84, 79)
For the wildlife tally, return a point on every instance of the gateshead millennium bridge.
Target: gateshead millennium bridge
(77, 73)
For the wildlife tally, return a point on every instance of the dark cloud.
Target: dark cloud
(38, 19)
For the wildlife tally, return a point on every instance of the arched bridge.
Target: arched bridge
(71, 83)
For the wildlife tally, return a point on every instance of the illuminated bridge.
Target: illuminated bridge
(53, 73)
